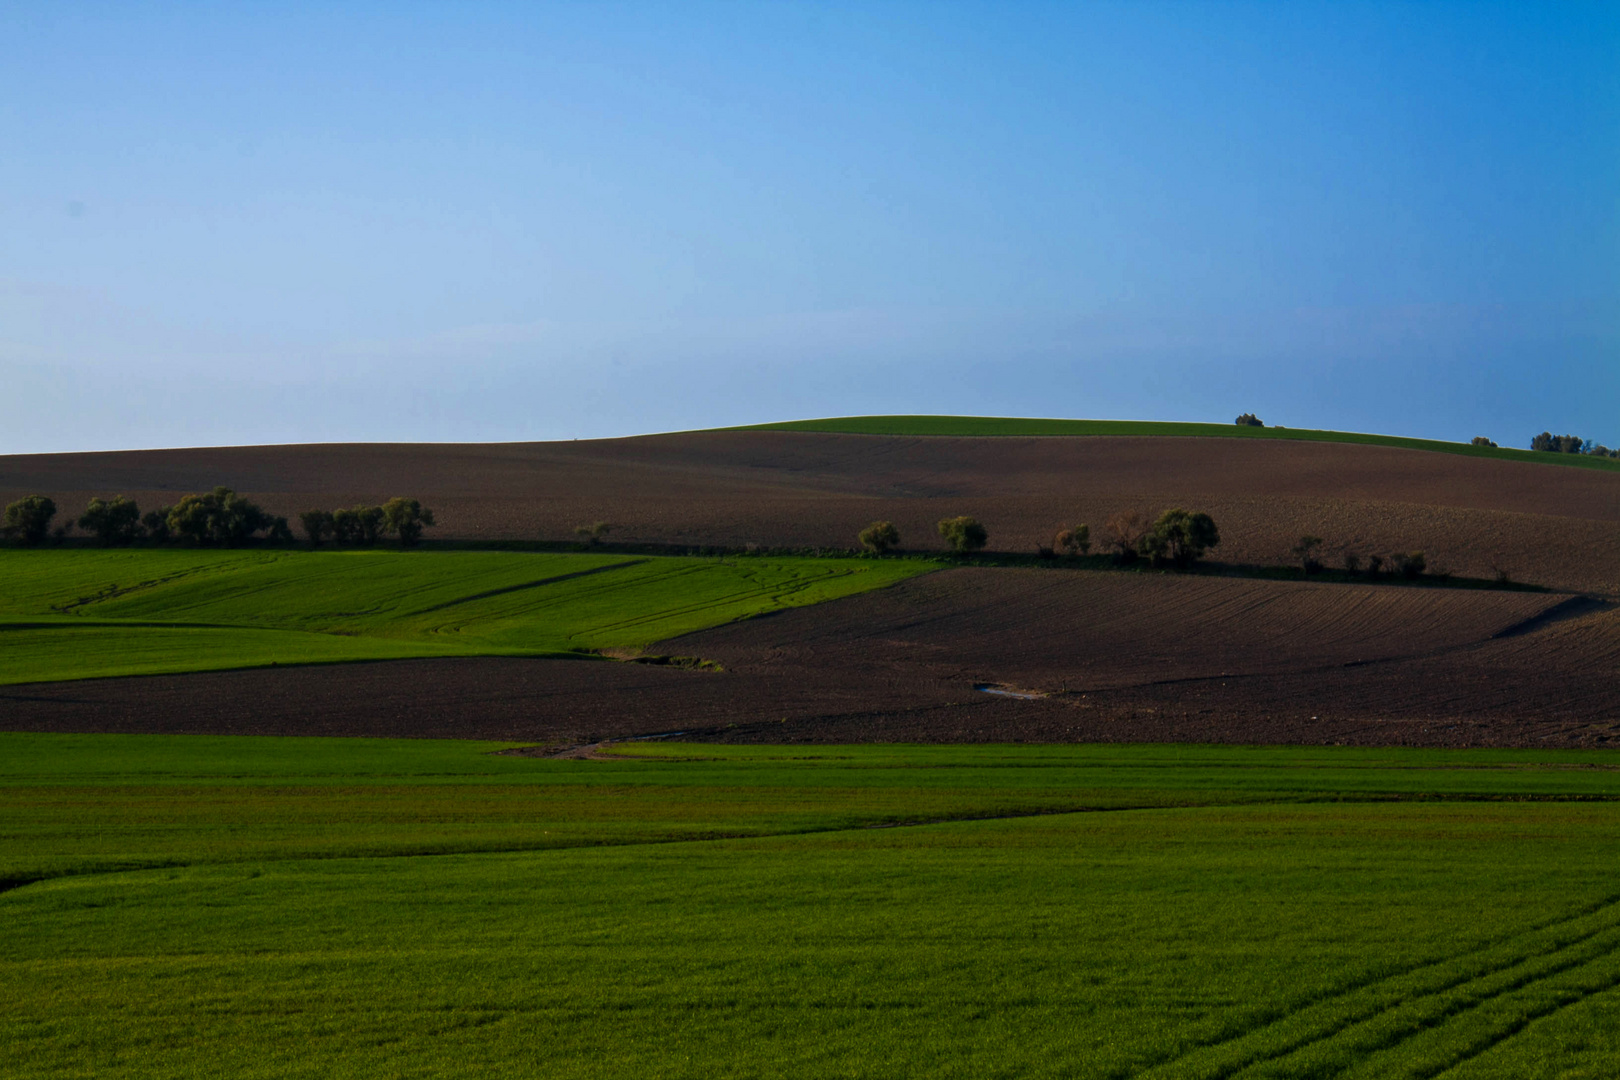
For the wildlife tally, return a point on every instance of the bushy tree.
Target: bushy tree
(1180, 537)
(1248, 419)
(1075, 541)
(219, 517)
(317, 525)
(963, 534)
(1480, 440)
(879, 537)
(28, 520)
(114, 522)
(405, 518)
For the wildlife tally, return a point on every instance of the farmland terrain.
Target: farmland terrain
(1092, 655)
(1549, 524)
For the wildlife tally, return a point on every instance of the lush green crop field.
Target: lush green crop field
(67, 614)
(1010, 425)
(359, 908)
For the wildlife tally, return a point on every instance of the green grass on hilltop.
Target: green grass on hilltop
(376, 908)
(67, 614)
(1006, 425)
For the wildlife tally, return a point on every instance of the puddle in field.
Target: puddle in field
(1002, 691)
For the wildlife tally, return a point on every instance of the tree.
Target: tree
(1480, 440)
(1075, 541)
(1125, 532)
(1305, 552)
(114, 522)
(1180, 536)
(359, 525)
(963, 534)
(879, 537)
(29, 519)
(156, 523)
(1558, 444)
(220, 517)
(317, 525)
(405, 518)
(1248, 419)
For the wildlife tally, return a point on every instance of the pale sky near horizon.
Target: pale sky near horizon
(255, 223)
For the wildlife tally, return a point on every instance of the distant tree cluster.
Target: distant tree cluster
(365, 525)
(1177, 537)
(1408, 564)
(1248, 419)
(1480, 440)
(219, 518)
(1571, 444)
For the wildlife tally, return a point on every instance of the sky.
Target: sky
(277, 222)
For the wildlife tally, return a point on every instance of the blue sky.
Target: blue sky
(285, 223)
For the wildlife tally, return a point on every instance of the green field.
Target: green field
(360, 908)
(1008, 425)
(68, 614)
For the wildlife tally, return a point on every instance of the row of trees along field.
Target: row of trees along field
(220, 518)
(1177, 538)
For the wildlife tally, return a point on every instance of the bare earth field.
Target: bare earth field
(1106, 656)
(1547, 524)
(1110, 657)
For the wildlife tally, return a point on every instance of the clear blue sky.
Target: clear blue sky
(280, 222)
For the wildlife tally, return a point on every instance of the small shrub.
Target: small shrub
(879, 537)
(963, 534)
(114, 523)
(1248, 419)
(28, 520)
(1413, 565)
(1480, 440)
(1375, 565)
(1352, 563)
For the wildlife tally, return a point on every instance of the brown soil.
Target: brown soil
(1108, 656)
(1548, 524)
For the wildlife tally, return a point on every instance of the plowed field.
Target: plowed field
(1103, 656)
(1541, 523)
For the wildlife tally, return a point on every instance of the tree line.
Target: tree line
(220, 518)
(1176, 538)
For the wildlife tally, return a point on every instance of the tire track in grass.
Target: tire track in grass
(1562, 1001)
(1382, 1045)
(1324, 1018)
